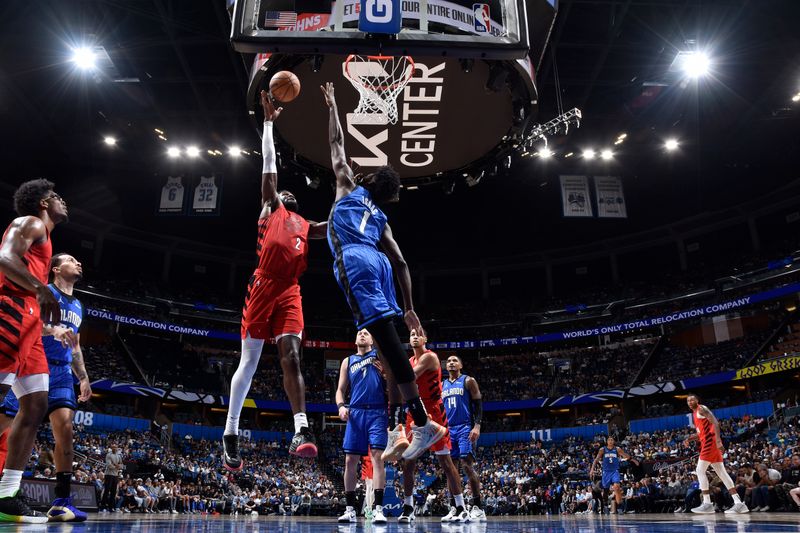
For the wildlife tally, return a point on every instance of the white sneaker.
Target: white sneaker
(476, 514)
(765, 508)
(450, 515)
(738, 508)
(349, 515)
(378, 516)
(460, 518)
(406, 518)
(396, 445)
(423, 438)
(704, 508)
(679, 510)
(756, 509)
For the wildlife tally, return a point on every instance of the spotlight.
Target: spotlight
(606, 154)
(696, 64)
(173, 151)
(671, 145)
(234, 151)
(192, 151)
(588, 154)
(569, 154)
(622, 136)
(83, 58)
(796, 98)
(110, 141)
(545, 153)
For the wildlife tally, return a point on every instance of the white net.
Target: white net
(378, 80)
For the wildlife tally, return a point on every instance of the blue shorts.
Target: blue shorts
(367, 281)
(366, 428)
(460, 443)
(61, 394)
(609, 478)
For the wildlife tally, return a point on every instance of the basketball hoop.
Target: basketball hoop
(378, 80)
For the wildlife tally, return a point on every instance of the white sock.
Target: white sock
(300, 421)
(735, 496)
(459, 498)
(706, 498)
(242, 379)
(10, 482)
(409, 500)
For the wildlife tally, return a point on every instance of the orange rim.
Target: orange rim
(380, 58)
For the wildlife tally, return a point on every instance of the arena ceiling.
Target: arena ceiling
(168, 65)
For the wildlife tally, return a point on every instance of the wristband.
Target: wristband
(339, 405)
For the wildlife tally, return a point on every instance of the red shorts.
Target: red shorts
(438, 415)
(272, 308)
(712, 455)
(21, 350)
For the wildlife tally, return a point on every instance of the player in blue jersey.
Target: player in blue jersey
(610, 455)
(464, 406)
(64, 357)
(366, 419)
(356, 226)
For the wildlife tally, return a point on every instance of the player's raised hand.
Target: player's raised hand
(327, 90)
(412, 322)
(270, 113)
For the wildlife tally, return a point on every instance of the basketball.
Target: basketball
(284, 86)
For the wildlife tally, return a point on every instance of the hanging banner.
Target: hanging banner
(206, 199)
(172, 196)
(610, 198)
(575, 197)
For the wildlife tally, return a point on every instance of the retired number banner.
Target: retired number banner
(575, 196)
(610, 198)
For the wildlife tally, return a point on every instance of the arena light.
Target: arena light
(606, 155)
(192, 151)
(173, 151)
(83, 57)
(569, 154)
(696, 64)
(234, 151)
(588, 154)
(671, 145)
(796, 98)
(110, 141)
(545, 153)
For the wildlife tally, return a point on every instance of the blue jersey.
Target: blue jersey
(367, 386)
(457, 401)
(71, 317)
(610, 460)
(355, 219)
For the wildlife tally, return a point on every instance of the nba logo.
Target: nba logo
(483, 19)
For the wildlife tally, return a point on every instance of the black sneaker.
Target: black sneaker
(303, 444)
(231, 458)
(16, 509)
(407, 515)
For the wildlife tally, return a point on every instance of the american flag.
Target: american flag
(280, 19)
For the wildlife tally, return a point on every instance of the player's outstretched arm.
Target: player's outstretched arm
(400, 267)
(269, 173)
(21, 235)
(344, 174)
(477, 407)
(317, 230)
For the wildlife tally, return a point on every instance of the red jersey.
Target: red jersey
(282, 244)
(37, 259)
(366, 466)
(429, 382)
(705, 431)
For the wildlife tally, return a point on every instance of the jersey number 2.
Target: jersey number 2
(298, 243)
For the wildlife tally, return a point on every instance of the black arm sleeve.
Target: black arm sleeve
(477, 410)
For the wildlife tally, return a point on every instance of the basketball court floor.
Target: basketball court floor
(650, 523)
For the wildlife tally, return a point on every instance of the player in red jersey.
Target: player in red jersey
(711, 449)
(428, 371)
(273, 306)
(25, 302)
